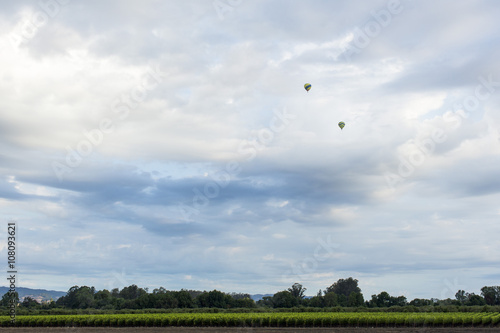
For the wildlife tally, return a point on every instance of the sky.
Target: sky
(172, 143)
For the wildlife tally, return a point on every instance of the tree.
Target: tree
(461, 296)
(118, 303)
(331, 299)
(184, 298)
(240, 300)
(85, 297)
(115, 292)
(78, 298)
(355, 299)
(317, 301)
(239, 295)
(160, 290)
(344, 287)
(473, 299)
(400, 301)
(202, 300)
(384, 300)
(217, 299)
(146, 301)
(284, 299)
(421, 302)
(49, 304)
(214, 299)
(243, 303)
(29, 302)
(69, 299)
(9, 298)
(103, 299)
(165, 300)
(491, 295)
(297, 291)
(343, 300)
(266, 301)
(131, 292)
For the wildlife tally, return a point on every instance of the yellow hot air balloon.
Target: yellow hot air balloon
(341, 125)
(307, 86)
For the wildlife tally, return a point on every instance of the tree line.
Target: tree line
(343, 293)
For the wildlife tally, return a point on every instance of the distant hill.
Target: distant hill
(39, 294)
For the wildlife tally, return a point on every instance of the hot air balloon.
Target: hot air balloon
(307, 86)
(341, 125)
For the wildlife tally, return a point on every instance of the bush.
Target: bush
(495, 319)
(486, 320)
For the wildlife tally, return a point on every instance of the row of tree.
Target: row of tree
(133, 297)
(343, 293)
(489, 296)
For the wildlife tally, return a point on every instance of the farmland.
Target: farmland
(265, 320)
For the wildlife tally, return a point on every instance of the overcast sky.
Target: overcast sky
(172, 143)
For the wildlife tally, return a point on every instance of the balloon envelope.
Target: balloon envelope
(341, 125)
(307, 86)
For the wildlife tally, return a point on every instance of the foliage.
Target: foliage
(8, 297)
(344, 287)
(491, 295)
(255, 319)
(343, 294)
(284, 299)
(385, 300)
(297, 291)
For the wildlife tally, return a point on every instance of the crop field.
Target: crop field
(284, 319)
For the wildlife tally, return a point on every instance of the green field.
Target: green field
(282, 319)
